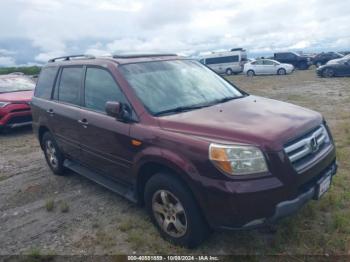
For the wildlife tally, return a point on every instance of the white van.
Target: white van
(229, 62)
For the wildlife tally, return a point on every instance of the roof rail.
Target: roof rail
(142, 55)
(237, 49)
(67, 58)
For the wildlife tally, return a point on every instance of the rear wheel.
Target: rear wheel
(250, 73)
(328, 72)
(53, 155)
(281, 71)
(229, 71)
(174, 211)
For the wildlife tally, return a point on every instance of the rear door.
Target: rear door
(105, 142)
(258, 67)
(65, 111)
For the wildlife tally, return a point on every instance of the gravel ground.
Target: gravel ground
(47, 214)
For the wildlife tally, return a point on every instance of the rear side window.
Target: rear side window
(69, 86)
(45, 82)
(268, 62)
(101, 87)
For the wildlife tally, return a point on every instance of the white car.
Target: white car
(267, 67)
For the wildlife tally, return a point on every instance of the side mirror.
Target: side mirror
(120, 111)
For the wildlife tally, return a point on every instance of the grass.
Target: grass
(64, 207)
(50, 205)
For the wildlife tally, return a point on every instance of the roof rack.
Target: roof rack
(67, 58)
(142, 55)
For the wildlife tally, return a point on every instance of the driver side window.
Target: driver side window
(101, 87)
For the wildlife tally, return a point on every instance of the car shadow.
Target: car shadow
(19, 131)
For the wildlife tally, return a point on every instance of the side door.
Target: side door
(269, 67)
(214, 64)
(64, 111)
(105, 142)
(344, 68)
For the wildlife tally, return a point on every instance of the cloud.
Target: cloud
(7, 61)
(58, 27)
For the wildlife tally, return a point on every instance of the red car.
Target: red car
(15, 95)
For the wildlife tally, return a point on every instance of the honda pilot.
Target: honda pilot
(167, 132)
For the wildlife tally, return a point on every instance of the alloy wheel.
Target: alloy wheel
(169, 213)
(51, 153)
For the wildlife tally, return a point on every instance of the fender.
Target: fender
(182, 167)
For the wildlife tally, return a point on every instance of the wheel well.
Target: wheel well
(42, 131)
(146, 172)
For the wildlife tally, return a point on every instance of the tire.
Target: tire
(281, 71)
(53, 155)
(186, 225)
(328, 72)
(250, 73)
(229, 71)
(318, 64)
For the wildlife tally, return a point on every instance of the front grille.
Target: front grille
(308, 147)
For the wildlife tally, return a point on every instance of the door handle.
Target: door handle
(83, 122)
(50, 111)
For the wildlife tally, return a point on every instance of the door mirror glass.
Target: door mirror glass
(118, 110)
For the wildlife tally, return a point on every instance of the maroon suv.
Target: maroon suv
(169, 133)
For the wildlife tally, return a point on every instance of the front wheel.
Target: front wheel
(328, 72)
(174, 211)
(229, 71)
(53, 155)
(281, 71)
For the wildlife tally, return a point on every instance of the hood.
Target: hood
(20, 96)
(263, 122)
(334, 61)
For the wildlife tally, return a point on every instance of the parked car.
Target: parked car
(340, 68)
(323, 58)
(335, 61)
(297, 60)
(169, 133)
(267, 67)
(228, 63)
(16, 92)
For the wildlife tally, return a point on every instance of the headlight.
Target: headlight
(237, 160)
(3, 104)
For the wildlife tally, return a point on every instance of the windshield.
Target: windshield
(169, 85)
(15, 84)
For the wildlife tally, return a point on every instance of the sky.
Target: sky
(33, 31)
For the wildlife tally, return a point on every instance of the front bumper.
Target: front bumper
(16, 117)
(288, 207)
(239, 204)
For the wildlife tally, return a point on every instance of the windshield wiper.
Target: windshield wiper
(226, 99)
(181, 109)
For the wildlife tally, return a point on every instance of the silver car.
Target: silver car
(267, 67)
